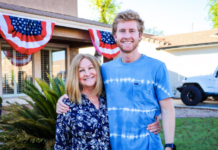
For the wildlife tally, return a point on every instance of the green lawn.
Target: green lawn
(196, 134)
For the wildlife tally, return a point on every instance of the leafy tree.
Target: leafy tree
(32, 128)
(213, 12)
(106, 9)
(154, 31)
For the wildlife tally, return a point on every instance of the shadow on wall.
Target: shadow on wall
(193, 62)
(175, 81)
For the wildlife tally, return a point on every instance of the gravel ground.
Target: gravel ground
(194, 112)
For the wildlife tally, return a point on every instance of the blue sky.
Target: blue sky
(170, 16)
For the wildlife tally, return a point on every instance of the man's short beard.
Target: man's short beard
(124, 51)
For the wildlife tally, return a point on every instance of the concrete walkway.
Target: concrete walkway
(204, 105)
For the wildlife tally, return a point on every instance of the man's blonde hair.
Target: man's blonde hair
(73, 87)
(127, 16)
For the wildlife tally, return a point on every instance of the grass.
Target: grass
(195, 134)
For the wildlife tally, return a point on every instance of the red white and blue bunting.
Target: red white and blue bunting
(18, 59)
(25, 36)
(104, 43)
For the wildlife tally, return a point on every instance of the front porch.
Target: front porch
(54, 59)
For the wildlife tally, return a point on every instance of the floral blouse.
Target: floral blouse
(83, 127)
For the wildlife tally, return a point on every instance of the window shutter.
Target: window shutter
(45, 67)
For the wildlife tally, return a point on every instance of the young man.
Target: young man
(137, 89)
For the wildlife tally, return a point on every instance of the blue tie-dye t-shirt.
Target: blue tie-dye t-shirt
(133, 93)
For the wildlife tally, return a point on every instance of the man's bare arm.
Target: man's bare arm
(168, 119)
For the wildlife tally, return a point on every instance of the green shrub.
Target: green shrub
(32, 128)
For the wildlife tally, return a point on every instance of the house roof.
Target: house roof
(50, 14)
(187, 39)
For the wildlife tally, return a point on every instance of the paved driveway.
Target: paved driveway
(205, 104)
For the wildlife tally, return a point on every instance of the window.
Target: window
(53, 62)
(16, 68)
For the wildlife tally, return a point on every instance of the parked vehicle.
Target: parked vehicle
(197, 89)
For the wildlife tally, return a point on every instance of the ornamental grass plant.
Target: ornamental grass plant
(196, 133)
(32, 128)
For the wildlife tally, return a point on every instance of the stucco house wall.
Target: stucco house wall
(65, 7)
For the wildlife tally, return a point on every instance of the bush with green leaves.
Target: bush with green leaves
(32, 128)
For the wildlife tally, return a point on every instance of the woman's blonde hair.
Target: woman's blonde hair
(126, 16)
(73, 87)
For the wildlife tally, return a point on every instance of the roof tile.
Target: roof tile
(200, 37)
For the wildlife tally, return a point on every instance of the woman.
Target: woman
(85, 125)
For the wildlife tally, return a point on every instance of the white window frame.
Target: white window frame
(15, 83)
(50, 49)
(51, 46)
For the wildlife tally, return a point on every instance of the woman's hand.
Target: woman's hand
(168, 148)
(154, 127)
(60, 106)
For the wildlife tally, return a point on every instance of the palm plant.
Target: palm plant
(32, 128)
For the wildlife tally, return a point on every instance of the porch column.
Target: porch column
(71, 53)
(36, 64)
(0, 71)
(106, 59)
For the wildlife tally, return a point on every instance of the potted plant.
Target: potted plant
(1, 105)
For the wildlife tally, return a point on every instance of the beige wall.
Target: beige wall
(183, 62)
(66, 7)
(58, 66)
(69, 33)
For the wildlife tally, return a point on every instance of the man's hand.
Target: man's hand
(154, 127)
(60, 106)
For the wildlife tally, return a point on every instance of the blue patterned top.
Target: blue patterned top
(83, 127)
